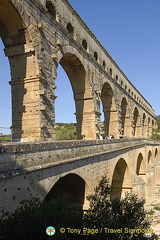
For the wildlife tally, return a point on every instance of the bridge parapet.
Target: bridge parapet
(36, 169)
(19, 158)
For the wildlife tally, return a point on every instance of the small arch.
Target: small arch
(150, 157)
(141, 168)
(144, 117)
(139, 187)
(110, 72)
(121, 180)
(125, 87)
(84, 44)
(129, 90)
(149, 120)
(116, 77)
(96, 56)
(104, 64)
(51, 9)
(121, 83)
(156, 154)
(70, 29)
(71, 186)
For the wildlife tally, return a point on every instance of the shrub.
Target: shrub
(117, 219)
(30, 220)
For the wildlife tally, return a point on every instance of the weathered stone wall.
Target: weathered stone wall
(32, 169)
(25, 156)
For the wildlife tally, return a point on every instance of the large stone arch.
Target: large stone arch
(149, 127)
(121, 180)
(111, 123)
(144, 126)
(24, 72)
(71, 186)
(84, 103)
(136, 123)
(125, 118)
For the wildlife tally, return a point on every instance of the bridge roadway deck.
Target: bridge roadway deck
(19, 158)
(33, 169)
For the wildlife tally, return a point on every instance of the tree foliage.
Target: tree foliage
(156, 137)
(30, 220)
(117, 219)
(32, 217)
(66, 131)
(5, 138)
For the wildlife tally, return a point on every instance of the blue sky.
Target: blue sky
(129, 30)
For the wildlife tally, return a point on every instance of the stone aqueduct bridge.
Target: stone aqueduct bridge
(49, 169)
(38, 35)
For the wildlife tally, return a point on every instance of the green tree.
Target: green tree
(66, 131)
(30, 220)
(123, 216)
(32, 217)
(5, 138)
(155, 136)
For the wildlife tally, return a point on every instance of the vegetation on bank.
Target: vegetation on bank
(118, 219)
(5, 138)
(65, 131)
